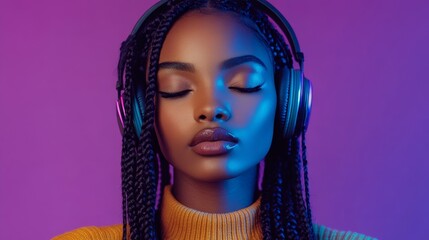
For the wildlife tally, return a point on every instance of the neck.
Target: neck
(216, 196)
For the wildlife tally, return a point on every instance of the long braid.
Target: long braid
(147, 169)
(291, 217)
(146, 175)
(297, 190)
(145, 184)
(131, 188)
(128, 148)
(278, 201)
(283, 210)
(125, 146)
(306, 181)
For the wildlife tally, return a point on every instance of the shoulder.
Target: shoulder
(325, 233)
(113, 232)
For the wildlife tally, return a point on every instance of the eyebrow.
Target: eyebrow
(229, 63)
(232, 62)
(181, 66)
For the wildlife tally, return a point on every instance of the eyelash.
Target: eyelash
(173, 94)
(184, 92)
(247, 90)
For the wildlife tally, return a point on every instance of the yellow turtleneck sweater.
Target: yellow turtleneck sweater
(181, 222)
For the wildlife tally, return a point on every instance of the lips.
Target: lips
(213, 141)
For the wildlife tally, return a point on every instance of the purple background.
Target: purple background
(367, 142)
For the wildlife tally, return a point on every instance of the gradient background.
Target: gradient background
(367, 143)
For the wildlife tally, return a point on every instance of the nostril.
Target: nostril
(219, 115)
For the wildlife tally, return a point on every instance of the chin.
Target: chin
(215, 170)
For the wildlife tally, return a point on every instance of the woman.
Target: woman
(210, 91)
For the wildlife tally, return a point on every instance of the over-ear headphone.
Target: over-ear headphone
(294, 94)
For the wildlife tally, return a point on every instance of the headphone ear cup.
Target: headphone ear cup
(138, 110)
(289, 99)
(120, 113)
(283, 99)
(305, 107)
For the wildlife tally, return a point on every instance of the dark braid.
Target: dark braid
(306, 180)
(284, 213)
(128, 148)
(130, 184)
(291, 217)
(297, 191)
(278, 208)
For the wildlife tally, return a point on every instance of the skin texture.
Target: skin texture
(228, 182)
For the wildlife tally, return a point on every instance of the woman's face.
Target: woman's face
(217, 100)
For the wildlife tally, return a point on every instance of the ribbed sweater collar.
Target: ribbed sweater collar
(181, 222)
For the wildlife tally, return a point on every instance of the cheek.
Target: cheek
(172, 124)
(255, 119)
(256, 113)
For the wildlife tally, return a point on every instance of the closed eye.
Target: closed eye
(247, 90)
(174, 94)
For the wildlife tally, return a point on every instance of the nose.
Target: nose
(211, 109)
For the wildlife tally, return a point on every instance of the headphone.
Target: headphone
(294, 95)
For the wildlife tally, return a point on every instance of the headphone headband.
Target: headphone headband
(266, 7)
(286, 28)
(155, 8)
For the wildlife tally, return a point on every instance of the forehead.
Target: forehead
(207, 39)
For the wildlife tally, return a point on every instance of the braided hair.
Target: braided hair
(285, 213)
